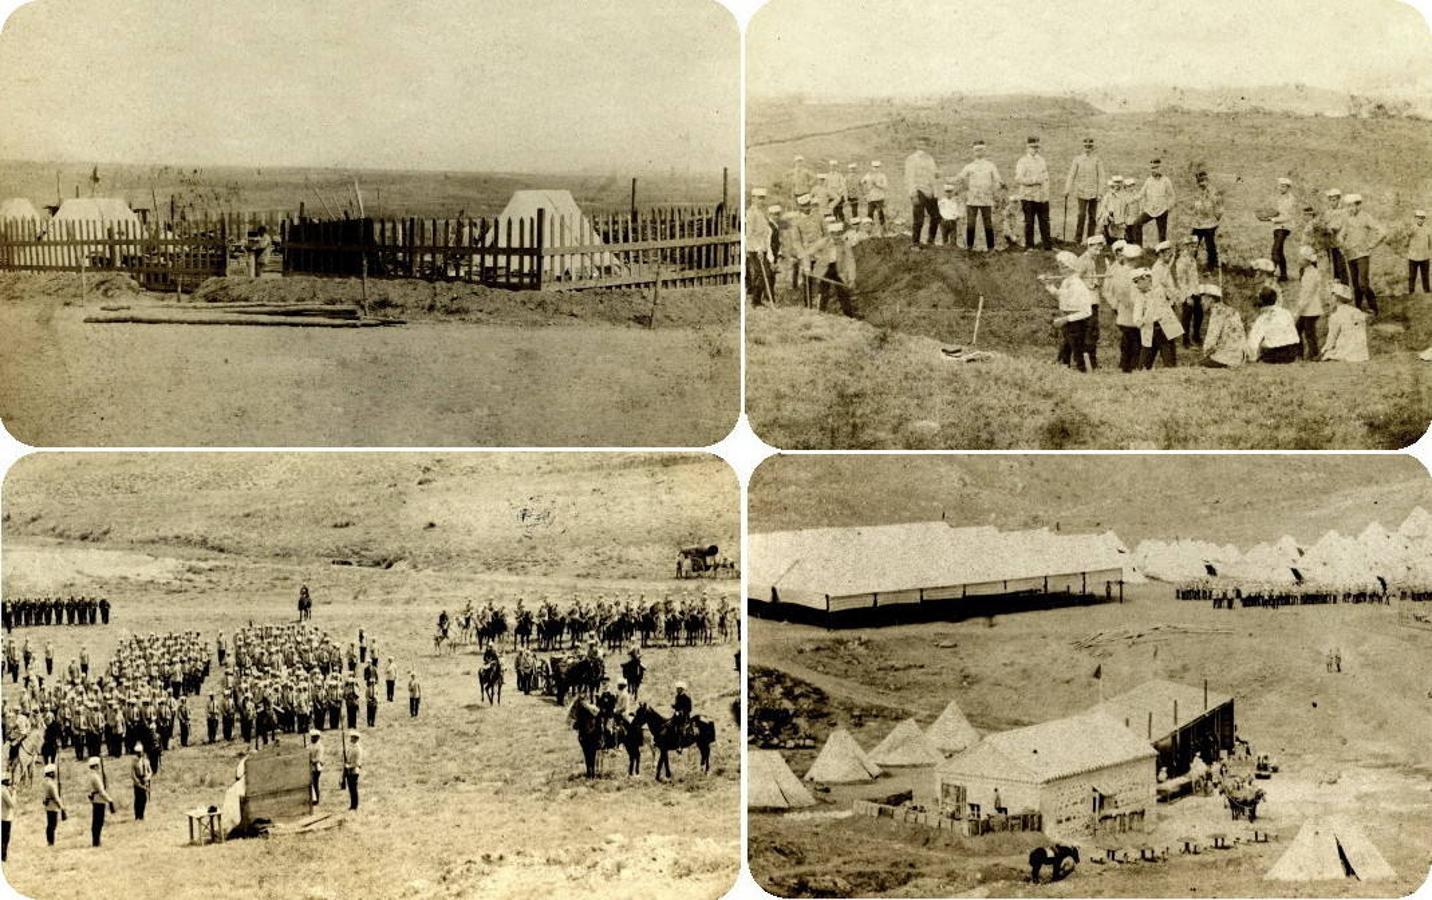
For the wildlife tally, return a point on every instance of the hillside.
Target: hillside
(1221, 498)
(517, 513)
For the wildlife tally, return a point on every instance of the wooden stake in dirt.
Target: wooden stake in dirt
(359, 195)
(84, 288)
(655, 295)
(979, 311)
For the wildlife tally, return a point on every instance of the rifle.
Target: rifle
(104, 781)
(343, 739)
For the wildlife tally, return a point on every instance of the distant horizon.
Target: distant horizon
(1087, 91)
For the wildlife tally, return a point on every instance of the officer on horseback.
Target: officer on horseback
(681, 711)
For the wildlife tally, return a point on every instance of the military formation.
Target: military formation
(27, 612)
(689, 619)
(1158, 289)
(1271, 596)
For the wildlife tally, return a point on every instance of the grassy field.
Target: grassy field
(1350, 743)
(819, 383)
(467, 800)
(472, 367)
(385, 192)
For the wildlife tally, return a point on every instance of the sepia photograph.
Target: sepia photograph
(1114, 225)
(474, 675)
(478, 223)
(1090, 676)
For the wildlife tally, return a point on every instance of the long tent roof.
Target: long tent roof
(869, 559)
(1160, 698)
(1051, 750)
(95, 209)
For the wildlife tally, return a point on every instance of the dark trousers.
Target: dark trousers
(313, 784)
(213, 729)
(924, 207)
(52, 821)
(391, 686)
(1414, 268)
(1308, 337)
(832, 286)
(1162, 348)
(1335, 255)
(372, 713)
(875, 209)
(1091, 338)
(96, 823)
(854, 206)
(228, 728)
(352, 778)
(1191, 318)
(413, 705)
(1208, 237)
(353, 715)
(141, 800)
(1088, 214)
(1280, 258)
(971, 213)
(1359, 269)
(1279, 355)
(947, 232)
(1071, 350)
(758, 278)
(1036, 211)
(1144, 218)
(49, 665)
(1130, 348)
(4, 840)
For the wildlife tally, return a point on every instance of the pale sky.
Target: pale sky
(484, 85)
(922, 47)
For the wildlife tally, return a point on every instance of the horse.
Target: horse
(1061, 859)
(522, 633)
(586, 720)
(23, 754)
(441, 642)
(665, 737)
(492, 628)
(583, 677)
(489, 679)
(631, 737)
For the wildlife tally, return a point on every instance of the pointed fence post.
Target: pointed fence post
(537, 248)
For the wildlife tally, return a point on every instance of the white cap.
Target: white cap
(773, 208)
(1339, 289)
(875, 163)
(1119, 244)
(681, 685)
(94, 762)
(50, 768)
(1141, 273)
(949, 187)
(1094, 240)
(1162, 246)
(1132, 251)
(851, 167)
(1264, 265)
(834, 227)
(1210, 290)
(1066, 259)
(1286, 181)
(832, 162)
(804, 200)
(1334, 192)
(800, 158)
(1419, 213)
(1353, 198)
(1308, 253)
(758, 192)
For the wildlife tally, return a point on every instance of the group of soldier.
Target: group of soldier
(272, 679)
(24, 612)
(1272, 596)
(1153, 307)
(614, 621)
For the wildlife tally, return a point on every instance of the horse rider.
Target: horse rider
(681, 709)
(443, 623)
(489, 656)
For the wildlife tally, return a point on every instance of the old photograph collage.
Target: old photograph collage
(699, 449)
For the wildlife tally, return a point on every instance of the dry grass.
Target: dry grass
(822, 381)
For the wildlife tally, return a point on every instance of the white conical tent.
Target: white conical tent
(771, 784)
(841, 761)
(1417, 524)
(952, 732)
(1327, 850)
(906, 746)
(564, 225)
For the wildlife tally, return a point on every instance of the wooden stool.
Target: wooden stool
(1220, 841)
(1148, 854)
(205, 826)
(1190, 845)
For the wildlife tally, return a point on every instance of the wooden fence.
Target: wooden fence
(679, 246)
(683, 246)
(158, 256)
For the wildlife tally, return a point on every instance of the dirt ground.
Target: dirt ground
(1351, 744)
(469, 368)
(467, 800)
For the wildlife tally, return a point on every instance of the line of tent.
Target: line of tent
(772, 784)
(1403, 556)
